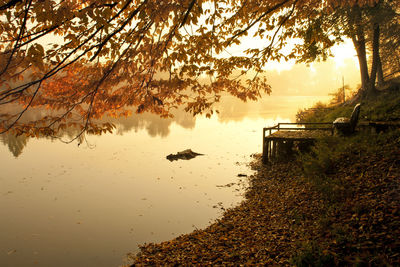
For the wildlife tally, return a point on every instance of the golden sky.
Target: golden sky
(317, 78)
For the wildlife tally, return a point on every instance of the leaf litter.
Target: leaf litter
(284, 220)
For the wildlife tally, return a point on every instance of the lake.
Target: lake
(89, 205)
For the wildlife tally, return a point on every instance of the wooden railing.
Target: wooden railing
(311, 127)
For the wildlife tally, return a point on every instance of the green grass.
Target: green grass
(383, 107)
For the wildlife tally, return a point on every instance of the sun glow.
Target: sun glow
(343, 52)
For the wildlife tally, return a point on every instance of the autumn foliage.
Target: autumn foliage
(89, 57)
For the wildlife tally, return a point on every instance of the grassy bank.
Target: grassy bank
(339, 204)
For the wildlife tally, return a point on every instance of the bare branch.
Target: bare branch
(10, 4)
(24, 110)
(270, 10)
(22, 29)
(187, 13)
(133, 14)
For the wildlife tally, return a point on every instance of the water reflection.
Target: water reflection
(230, 109)
(302, 82)
(152, 123)
(15, 143)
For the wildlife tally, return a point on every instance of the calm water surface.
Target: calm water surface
(64, 205)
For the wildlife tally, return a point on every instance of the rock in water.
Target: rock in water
(185, 154)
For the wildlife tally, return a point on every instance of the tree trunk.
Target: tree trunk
(358, 37)
(380, 72)
(359, 44)
(375, 58)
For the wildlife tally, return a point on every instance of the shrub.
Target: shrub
(331, 153)
(312, 255)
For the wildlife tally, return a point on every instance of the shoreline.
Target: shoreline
(285, 220)
(241, 229)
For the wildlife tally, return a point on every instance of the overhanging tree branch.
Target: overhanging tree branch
(22, 29)
(269, 11)
(10, 4)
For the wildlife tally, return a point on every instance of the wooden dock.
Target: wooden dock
(279, 139)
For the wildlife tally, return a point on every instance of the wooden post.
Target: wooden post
(264, 148)
(266, 152)
(278, 149)
(269, 149)
(273, 154)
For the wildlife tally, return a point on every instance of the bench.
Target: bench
(347, 126)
